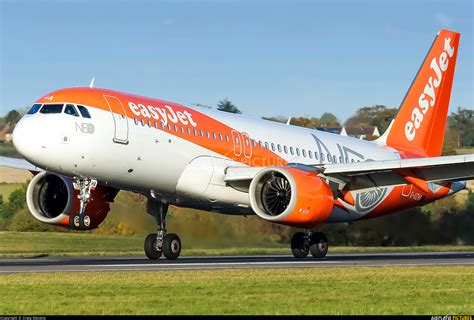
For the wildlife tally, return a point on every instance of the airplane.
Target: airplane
(85, 144)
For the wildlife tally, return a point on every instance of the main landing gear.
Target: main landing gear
(161, 242)
(304, 242)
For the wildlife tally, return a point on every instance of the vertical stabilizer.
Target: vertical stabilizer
(418, 129)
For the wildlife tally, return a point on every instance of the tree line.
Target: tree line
(459, 127)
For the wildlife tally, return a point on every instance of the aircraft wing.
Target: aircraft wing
(21, 164)
(368, 174)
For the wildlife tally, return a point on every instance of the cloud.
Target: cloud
(443, 19)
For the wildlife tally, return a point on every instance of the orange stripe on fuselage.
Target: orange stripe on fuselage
(176, 115)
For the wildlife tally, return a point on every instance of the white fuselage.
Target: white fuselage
(155, 161)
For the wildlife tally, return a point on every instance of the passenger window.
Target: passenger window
(298, 152)
(34, 108)
(84, 112)
(316, 155)
(310, 154)
(273, 146)
(266, 145)
(260, 144)
(208, 134)
(322, 156)
(195, 131)
(202, 133)
(182, 130)
(304, 153)
(175, 128)
(285, 149)
(70, 110)
(254, 143)
(220, 136)
(279, 148)
(227, 138)
(214, 136)
(334, 158)
(162, 125)
(189, 131)
(329, 157)
(51, 108)
(291, 151)
(135, 119)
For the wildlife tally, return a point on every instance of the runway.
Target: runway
(97, 264)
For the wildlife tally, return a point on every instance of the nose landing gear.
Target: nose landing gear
(85, 186)
(303, 243)
(161, 242)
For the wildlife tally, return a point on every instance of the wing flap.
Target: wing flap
(398, 172)
(362, 175)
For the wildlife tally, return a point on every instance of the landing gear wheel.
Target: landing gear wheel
(299, 247)
(81, 222)
(171, 246)
(150, 247)
(318, 245)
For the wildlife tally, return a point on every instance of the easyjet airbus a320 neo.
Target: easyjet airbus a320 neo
(86, 144)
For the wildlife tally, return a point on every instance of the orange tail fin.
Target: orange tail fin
(418, 129)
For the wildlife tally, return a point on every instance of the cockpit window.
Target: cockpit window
(83, 110)
(34, 108)
(71, 110)
(51, 108)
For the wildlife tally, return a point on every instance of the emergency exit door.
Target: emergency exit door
(120, 119)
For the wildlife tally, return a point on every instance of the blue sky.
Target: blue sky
(282, 58)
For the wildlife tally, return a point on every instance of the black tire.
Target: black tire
(298, 247)
(150, 248)
(81, 222)
(318, 245)
(171, 246)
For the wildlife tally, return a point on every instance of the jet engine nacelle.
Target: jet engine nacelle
(52, 199)
(291, 197)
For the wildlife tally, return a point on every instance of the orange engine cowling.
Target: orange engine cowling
(52, 199)
(291, 197)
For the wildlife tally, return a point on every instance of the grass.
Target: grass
(30, 244)
(7, 149)
(382, 290)
(465, 151)
(7, 188)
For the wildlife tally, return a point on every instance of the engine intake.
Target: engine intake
(290, 196)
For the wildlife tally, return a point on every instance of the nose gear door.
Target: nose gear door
(120, 119)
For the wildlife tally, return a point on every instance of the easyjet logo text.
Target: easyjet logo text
(427, 98)
(166, 114)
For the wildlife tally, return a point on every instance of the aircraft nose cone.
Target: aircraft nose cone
(24, 139)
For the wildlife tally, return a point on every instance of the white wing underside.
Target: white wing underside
(20, 164)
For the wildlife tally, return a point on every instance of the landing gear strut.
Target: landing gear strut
(161, 242)
(303, 243)
(85, 186)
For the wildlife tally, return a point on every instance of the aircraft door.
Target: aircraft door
(120, 119)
